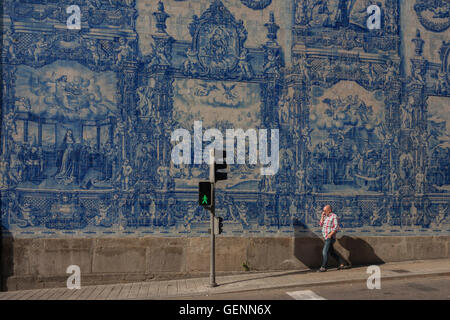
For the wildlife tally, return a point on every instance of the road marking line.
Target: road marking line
(305, 295)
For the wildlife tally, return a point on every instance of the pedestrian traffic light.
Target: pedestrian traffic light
(220, 163)
(205, 193)
(218, 226)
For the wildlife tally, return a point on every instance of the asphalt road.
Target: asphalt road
(427, 288)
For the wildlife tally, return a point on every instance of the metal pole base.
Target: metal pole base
(213, 285)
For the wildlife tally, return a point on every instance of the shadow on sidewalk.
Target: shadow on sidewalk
(281, 274)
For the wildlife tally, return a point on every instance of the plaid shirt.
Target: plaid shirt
(329, 224)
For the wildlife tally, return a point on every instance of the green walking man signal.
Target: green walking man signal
(205, 193)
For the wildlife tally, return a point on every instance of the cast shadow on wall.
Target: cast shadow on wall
(308, 247)
(6, 258)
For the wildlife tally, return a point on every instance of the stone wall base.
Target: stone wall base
(39, 263)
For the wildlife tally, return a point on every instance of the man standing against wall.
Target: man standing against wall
(330, 227)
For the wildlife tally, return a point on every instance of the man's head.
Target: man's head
(327, 209)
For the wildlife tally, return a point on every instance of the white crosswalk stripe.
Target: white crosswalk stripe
(305, 295)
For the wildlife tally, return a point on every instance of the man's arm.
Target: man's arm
(322, 218)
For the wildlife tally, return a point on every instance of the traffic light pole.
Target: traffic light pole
(212, 264)
(212, 275)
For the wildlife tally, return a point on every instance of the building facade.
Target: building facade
(88, 114)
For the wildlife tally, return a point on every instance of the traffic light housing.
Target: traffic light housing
(220, 163)
(205, 194)
(218, 225)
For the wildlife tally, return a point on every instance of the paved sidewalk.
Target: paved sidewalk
(172, 289)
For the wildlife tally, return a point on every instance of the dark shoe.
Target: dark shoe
(322, 270)
(342, 267)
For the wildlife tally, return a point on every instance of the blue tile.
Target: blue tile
(88, 117)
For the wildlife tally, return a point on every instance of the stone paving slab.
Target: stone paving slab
(171, 289)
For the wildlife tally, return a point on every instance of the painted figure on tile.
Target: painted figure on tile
(67, 160)
(126, 174)
(9, 46)
(244, 65)
(124, 51)
(192, 64)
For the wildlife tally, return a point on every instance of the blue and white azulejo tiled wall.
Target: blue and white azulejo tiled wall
(87, 115)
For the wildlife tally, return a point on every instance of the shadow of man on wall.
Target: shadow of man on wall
(308, 247)
(353, 251)
(359, 251)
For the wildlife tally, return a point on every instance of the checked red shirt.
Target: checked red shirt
(329, 224)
